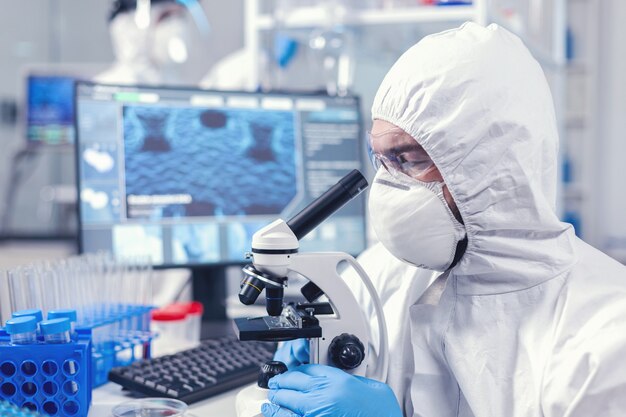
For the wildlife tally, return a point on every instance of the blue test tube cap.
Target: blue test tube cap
(35, 312)
(18, 325)
(63, 313)
(55, 326)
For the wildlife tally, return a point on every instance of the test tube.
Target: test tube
(56, 330)
(68, 313)
(32, 312)
(22, 330)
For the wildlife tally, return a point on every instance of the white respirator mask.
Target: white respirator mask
(413, 221)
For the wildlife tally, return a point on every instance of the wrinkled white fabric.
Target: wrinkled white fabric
(401, 210)
(532, 321)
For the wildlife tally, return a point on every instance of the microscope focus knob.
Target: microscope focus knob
(346, 351)
(269, 370)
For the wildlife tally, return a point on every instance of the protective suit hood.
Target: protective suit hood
(481, 107)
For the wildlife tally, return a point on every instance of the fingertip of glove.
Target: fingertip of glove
(269, 410)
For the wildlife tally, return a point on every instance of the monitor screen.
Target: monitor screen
(50, 109)
(187, 176)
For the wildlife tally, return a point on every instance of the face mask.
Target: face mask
(170, 40)
(413, 221)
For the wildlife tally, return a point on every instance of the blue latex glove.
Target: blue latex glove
(324, 391)
(293, 353)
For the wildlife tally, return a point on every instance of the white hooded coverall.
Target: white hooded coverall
(532, 321)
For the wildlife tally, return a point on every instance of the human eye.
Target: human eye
(413, 160)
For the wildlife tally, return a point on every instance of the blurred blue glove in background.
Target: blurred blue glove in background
(293, 353)
(324, 391)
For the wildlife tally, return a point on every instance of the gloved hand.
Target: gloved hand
(293, 353)
(324, 391)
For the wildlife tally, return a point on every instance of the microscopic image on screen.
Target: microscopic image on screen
(185, 162)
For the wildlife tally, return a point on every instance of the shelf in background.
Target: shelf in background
(315, 16)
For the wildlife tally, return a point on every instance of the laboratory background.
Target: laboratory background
(144, 142)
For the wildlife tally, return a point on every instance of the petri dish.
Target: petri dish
(151, 407)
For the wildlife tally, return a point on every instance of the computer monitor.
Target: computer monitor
(187, 176)
(50, 109)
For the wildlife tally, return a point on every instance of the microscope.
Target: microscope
(332, 319)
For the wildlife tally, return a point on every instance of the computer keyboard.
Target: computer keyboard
(217, 365)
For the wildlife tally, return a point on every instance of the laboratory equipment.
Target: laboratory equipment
(217, 365)
(11, 410)
(56, 330)
(151, 407)
(193, 320)
(110, 301)
(170, 326)
(275, 255)
(53, 379)
(337, 329)
(31, 312)
(23, 330)
(34, 312)
(67, 313)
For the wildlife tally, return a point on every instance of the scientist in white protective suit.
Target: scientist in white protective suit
(527, 319)
(151, 41)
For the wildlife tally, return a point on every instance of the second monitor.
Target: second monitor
(186, 176)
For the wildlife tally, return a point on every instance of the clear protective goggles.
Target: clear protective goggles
(402, 159)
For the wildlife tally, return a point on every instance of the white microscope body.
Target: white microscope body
(337, 328)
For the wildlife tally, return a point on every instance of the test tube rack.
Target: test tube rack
(53, 379)
(11, 410)
(119, 337)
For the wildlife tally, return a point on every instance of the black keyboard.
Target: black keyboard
(217, 365)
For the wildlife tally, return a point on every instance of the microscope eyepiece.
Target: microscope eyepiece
(328, 203)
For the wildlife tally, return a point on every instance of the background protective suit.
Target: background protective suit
(532, 321)
(154, 54)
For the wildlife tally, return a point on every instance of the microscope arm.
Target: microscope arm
(322, 270)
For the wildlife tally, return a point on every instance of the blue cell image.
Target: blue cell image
(186, 162)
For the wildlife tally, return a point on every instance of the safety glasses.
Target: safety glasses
(403, 156)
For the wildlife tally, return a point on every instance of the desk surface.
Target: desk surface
(108, 396)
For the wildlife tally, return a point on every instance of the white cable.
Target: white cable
(380, 315)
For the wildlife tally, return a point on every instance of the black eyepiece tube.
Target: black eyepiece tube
(328, 203)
